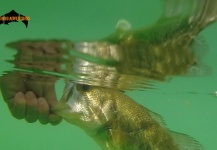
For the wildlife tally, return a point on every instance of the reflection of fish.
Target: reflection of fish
(164, 49)
(116, 122)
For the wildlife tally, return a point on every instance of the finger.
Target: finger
(18, 106)
(33, 51)
(54, 120)
(10, 84)
(50, 93)
(35, 85)
(31, 107)
(43, 110)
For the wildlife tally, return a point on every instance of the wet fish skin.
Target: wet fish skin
(162, 49)
(115, 121)
(128, 56)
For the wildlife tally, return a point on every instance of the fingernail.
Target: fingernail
(41, 100)
(30, 94)
(19, 94)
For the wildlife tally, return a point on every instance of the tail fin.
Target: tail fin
(204, 12)
(200, 13)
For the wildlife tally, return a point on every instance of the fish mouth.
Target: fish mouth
(64, 111)
(60, 109)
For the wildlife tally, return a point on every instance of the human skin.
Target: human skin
(29, 99)
(29, 96)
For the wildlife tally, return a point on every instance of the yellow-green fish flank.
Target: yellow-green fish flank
(116, 122)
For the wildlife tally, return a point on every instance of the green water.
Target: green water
(188, 104)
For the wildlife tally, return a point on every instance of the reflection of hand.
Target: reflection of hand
(30, 98)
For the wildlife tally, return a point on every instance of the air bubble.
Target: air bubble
(123, 25)
(215, 93)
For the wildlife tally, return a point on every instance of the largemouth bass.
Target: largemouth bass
(116, 122)
(129, 56)
(111, 118)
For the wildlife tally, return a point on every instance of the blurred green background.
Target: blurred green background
(188, 104)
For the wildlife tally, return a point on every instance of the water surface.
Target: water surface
(187, 103)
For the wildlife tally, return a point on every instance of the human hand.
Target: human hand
(30, 97)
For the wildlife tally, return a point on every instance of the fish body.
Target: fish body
(128, 57)
(169, 47)
(166, 48)
(116, 122)
(111, 118)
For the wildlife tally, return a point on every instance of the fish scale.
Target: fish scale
(161, 50)
(116, 122)
(112, 119)
(129, 58)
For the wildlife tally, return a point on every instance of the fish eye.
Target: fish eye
(83, 87)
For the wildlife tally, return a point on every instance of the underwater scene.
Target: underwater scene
(116, 75)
